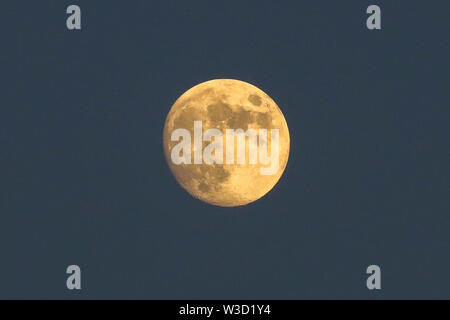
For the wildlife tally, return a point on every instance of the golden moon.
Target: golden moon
(226, 104)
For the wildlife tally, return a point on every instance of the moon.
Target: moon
(226, 104)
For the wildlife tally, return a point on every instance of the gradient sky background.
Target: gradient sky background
(84, 179)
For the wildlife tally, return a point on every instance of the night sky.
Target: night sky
(84, 181)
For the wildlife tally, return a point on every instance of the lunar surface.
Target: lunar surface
(226, 104)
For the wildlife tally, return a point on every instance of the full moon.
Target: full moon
(226, 104)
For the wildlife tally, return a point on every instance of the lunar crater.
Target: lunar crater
(254, 99)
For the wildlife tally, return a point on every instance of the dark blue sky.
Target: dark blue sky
(84, 179)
